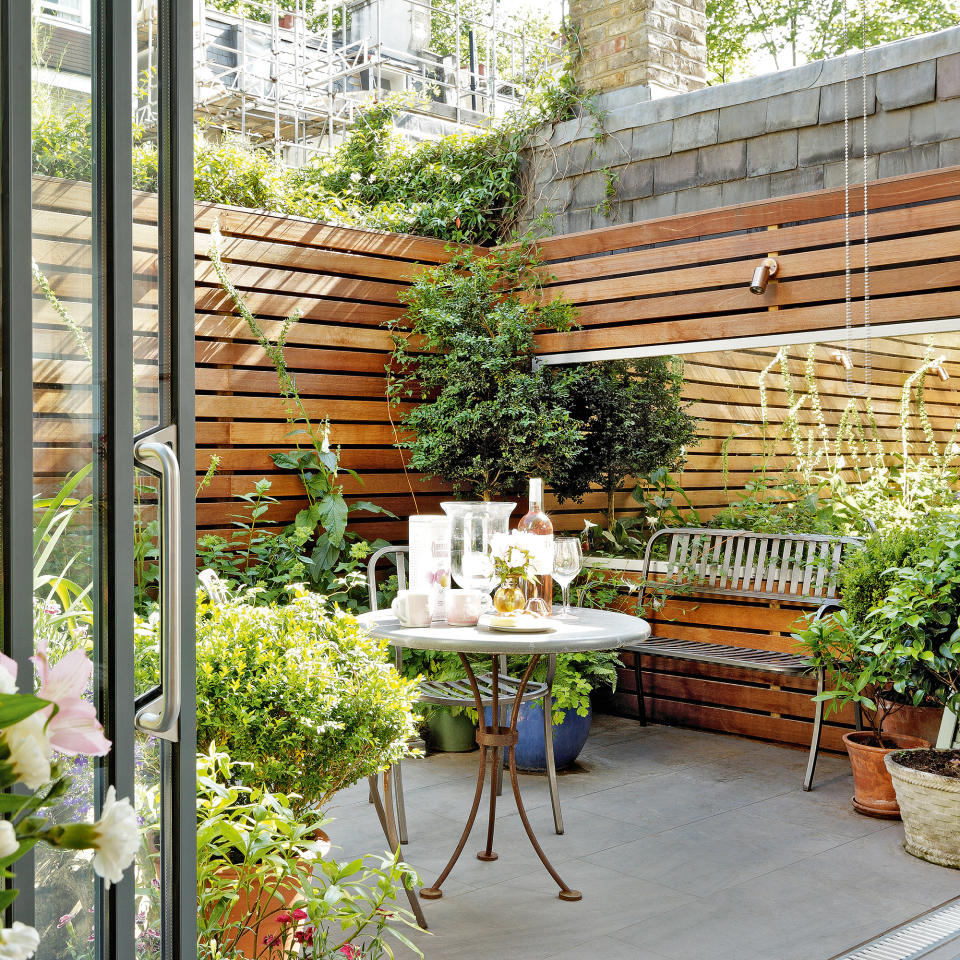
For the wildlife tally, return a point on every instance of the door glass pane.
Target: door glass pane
(67, 420)
(151, 410)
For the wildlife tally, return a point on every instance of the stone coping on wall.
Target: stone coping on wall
(772, 135)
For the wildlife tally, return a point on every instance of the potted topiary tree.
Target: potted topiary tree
(893, 646)
(483, 419)
(917, 629)
(636, 425)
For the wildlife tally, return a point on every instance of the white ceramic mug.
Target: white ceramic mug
(413, 608)
(465, 606)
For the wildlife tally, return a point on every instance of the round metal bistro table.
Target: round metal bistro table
(590, 630)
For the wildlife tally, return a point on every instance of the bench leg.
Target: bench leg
(815, 739)
(638, 674)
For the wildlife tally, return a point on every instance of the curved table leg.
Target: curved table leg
(495, 738)
(434, 892)
(566, 893)
(496, 772)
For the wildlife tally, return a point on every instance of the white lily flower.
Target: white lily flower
(30, 750)
(9, 844)
(18, 942)
(116, 837)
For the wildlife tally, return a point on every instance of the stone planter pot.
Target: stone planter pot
(930, 808)
(446, 733)
(873, 793)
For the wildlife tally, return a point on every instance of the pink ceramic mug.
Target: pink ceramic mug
(464, 607)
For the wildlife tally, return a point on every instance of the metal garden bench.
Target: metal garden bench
(793, 568)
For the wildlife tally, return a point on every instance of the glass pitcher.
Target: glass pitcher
(473, 525)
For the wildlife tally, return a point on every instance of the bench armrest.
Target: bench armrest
(825, 608)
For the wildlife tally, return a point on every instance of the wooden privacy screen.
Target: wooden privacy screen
(344, 283)
(657, 283)
(686, 279)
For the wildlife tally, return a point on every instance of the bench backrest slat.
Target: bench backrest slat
(801, 568)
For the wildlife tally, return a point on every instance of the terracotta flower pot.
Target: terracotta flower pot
(873, 792)
(257, 900)
(930, 805)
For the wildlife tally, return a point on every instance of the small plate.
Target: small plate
(517, 624)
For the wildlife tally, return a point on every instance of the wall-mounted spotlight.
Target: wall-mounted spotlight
(761, 276)
(940, 370)
(843, 358)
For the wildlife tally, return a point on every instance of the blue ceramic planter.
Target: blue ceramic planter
(568, 738)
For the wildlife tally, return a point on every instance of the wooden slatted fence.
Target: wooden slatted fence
(657, 283)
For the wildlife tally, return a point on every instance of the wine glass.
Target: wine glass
(567, 563)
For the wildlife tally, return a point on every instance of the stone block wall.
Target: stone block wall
(768, 136)
(658, 44)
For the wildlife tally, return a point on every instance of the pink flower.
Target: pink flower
(8, 674)
(350, 952)
(304, 936)
(299, 914)
(74, 728)
(283, 918)
(271, 939)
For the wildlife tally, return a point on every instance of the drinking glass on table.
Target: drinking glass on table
(567, 562)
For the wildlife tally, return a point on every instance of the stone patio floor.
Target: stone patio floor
(686, 845)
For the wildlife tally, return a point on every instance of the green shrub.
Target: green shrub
(301, 692)
(248, 837)
(867, 574)
(483, 420)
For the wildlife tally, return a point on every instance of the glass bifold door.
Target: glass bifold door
(98, 541)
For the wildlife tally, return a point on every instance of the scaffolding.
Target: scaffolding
(296, 79)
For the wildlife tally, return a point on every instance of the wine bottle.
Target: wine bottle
(538, 525)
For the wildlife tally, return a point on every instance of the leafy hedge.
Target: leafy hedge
(462, 187)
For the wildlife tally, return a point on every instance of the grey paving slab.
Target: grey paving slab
(687, 846)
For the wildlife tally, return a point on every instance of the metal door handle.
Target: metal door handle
(160, 717)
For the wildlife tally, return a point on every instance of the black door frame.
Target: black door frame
(112, 97)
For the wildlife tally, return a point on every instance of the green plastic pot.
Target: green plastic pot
(446, 733)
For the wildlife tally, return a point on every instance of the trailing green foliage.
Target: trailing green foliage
(462, 187)
(251, 837)
(300, 692)
(484, 420)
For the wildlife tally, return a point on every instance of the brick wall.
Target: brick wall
(768, 136)
(659, 45)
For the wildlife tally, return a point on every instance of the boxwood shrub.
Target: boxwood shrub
(301, 692)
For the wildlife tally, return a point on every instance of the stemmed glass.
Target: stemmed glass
(567, 563)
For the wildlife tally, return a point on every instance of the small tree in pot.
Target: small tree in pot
(859, 672)
(485, 420)
(917, 629)
(635, 425)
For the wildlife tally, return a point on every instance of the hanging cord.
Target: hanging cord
(848, 295)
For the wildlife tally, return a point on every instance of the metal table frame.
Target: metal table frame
(593, 630)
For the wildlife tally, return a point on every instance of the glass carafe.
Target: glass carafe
(473, 525)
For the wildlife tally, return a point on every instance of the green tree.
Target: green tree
(789, 32)
(483, 419)
(635, 422)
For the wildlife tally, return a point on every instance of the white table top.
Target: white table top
(591, 630)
